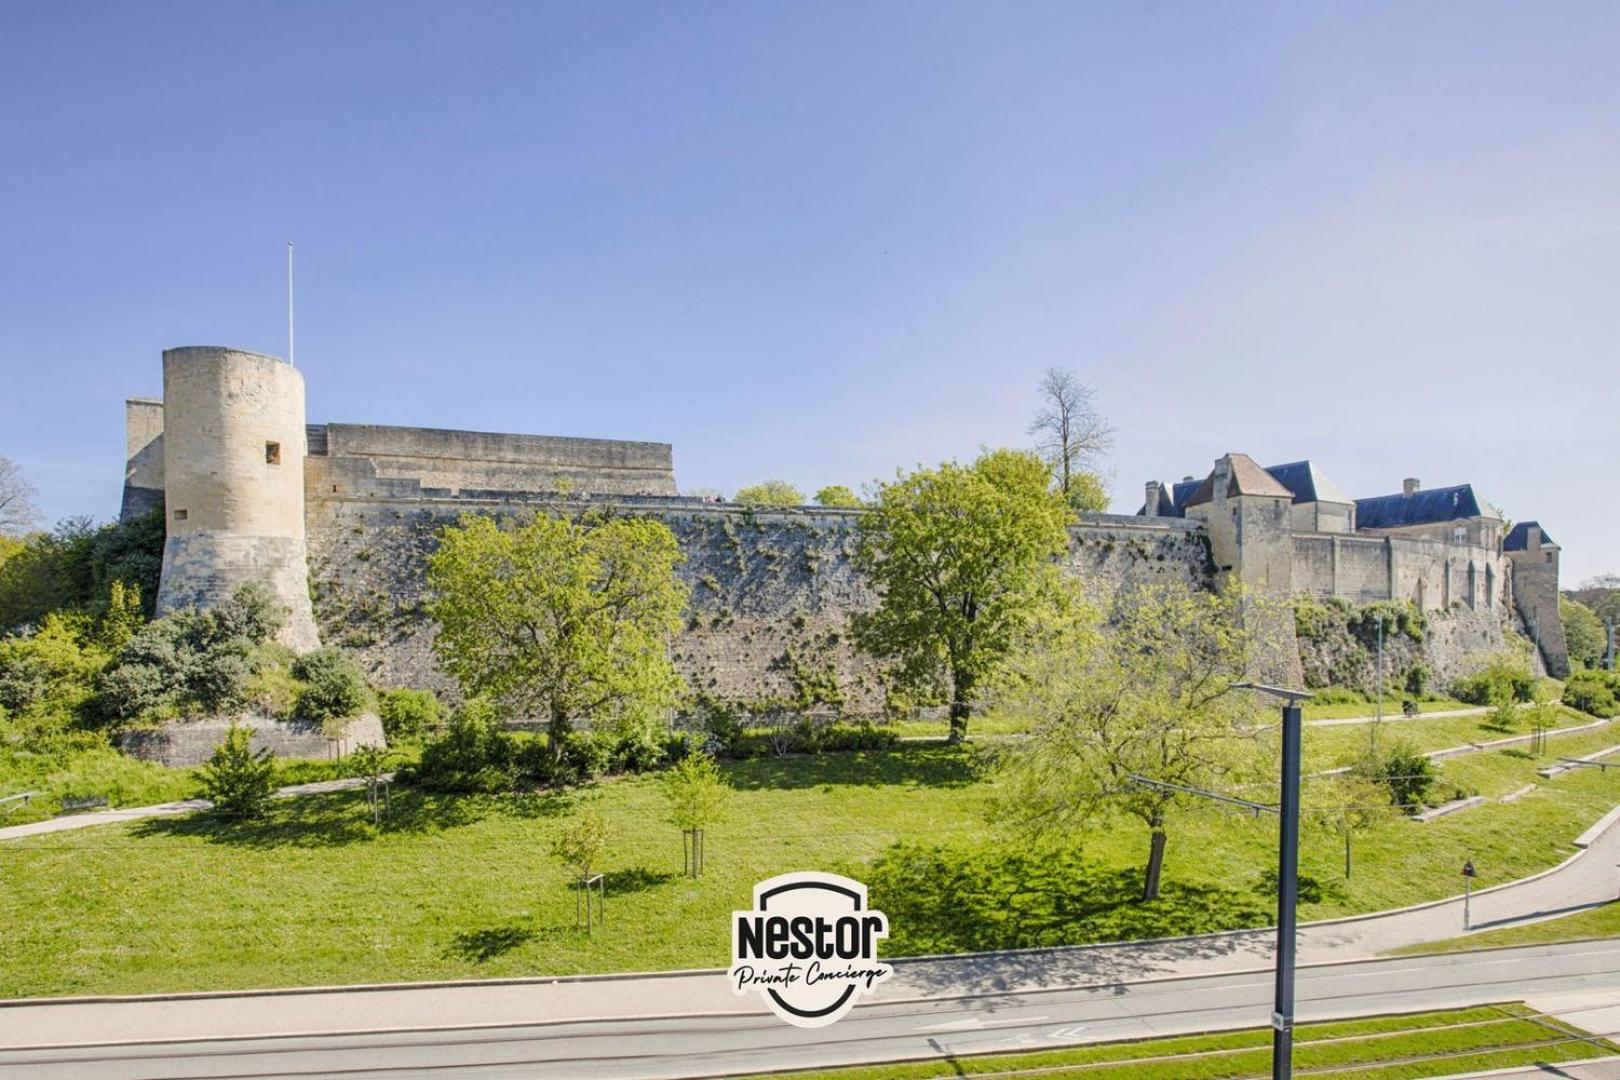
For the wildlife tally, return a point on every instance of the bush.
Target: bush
(639, 750)
(1417, 679)
(333, 689)
(1596, 693)
(1502, 680)
(1409, 775)
(407, 713)
(191, 658)
(475, 754)
(586, 755)
(238, 779)
(863, 736)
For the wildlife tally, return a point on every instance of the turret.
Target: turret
(233, 478)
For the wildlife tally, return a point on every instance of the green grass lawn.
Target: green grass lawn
(1329, 747)
(464, 887)
(1340, 710)
(1598, 922)
(1386, 1048)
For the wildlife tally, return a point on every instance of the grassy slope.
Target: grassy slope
(1488, 1037)
(464, 887)
(1601, 922)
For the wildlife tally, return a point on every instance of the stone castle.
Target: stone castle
(337, 519)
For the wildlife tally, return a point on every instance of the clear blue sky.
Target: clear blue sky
(822, 240)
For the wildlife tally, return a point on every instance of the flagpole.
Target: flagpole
(290, 360)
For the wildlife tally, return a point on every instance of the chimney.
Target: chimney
(1221, 478)
(1152, 503)
(1532, 537)
(1410, 486)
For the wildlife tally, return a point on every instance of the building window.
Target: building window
(1460, 535)
(272, 453)
(179, 515)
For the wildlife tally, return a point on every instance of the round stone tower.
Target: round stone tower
(233, 467)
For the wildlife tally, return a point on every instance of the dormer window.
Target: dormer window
(272, 453)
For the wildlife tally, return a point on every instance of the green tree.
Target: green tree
(1072, 434)
(1147, 698)
(239, 780)
(560, 618)
(837, 495)
(697, 792)
(1087, 493)
(1347, 804)
(582, 844)
(1584, 632)
(769, 493)
(961, 558)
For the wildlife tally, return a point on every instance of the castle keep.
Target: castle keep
(337, 520)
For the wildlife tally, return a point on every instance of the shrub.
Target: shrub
(1504, 678)
(638, 750)
(238, 779)
(475, 754)
(1417, 679)
(333, 689)
(406, 713)
(191, 659)
(1596, 693)
(1409, 775)
(587, 754)
(862, 736)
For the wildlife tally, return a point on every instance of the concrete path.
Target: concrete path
(170, 809)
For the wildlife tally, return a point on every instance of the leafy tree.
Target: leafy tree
(239, 780)
(1147, 698)
(1072, 435)
(46, 676)
(697, 792)
(1347, 804)
(582, 844)
(837, 495)
(334, 688)
(560, 618)
(769, 493)
(1584, 632)
(370, 763)
(1088, 494)
(17, 511)
(961, 558)
(75, 566)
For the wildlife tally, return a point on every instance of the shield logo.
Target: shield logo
(825, 955)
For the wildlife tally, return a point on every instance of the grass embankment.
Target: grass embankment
(1386, 1048)
(1340, 710)
(1415, 1045)
(1593, 923)
(463, 887)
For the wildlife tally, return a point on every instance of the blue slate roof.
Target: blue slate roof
(1419, 508)
(1173, 499)
(1307, 482)
(1518, 537)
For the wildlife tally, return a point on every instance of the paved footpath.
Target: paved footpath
(169, 809)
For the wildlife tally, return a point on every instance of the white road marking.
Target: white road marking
(973, 1023)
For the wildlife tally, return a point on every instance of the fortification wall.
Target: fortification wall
(452, 462)
(772, 592)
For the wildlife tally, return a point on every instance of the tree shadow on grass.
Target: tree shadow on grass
(339, 818)
(633, 880)
(925, 766)
(969, 899)
(490, 942)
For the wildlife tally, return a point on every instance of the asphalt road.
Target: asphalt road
(713, 1045)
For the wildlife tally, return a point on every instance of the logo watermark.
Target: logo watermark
(809, 946)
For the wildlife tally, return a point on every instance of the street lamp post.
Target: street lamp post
(1282, 1016)
(1469, 874)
